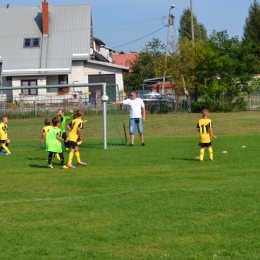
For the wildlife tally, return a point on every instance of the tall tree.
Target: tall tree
(143, 66)
(252, 27)
(224, 72)
(200, 33)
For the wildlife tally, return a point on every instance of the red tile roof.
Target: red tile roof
(122, 58)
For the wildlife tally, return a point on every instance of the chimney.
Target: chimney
(45, 17)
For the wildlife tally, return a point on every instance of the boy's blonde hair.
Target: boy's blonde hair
(205, 112)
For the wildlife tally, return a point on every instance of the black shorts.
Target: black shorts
(72, 144)
(203, 145)
(3, 141)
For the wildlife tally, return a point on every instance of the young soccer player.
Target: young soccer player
(62, 127)
(54, 143)
(204, 127)
(45, 131)
(74, 135)
(4, 141)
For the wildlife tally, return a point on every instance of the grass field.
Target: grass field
(152, 202)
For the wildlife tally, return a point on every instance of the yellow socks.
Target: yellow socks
(78, 157)
(5, 147)
(202, 154)
(210, 153)
(71, 154)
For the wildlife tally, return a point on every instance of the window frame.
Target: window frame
(30, 42)
(29, 90)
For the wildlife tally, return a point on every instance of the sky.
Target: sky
(129, 25)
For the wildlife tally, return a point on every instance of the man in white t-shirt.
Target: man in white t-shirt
(137, 115)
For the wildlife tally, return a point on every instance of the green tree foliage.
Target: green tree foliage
(252, 27)
(143, 66)
(224, 70)
(200, 32)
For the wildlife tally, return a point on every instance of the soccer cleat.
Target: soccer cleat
(131, 144)
(8, 153)
(64, 167)
(81, 164)
(201, 160)
(67, 149)
(70, 166)
(50, 166)
(143, 144)
(211, 160)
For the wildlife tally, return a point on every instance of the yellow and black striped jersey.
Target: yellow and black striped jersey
(75, 125)
(204, 125)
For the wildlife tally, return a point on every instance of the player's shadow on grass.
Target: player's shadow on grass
(37, 166)
(184, 159)
(33, 159)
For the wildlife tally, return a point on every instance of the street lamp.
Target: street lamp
(170, 22)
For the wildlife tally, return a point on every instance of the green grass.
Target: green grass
(152, 202)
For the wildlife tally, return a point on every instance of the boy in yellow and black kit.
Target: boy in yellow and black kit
(74, 137)
(4, 141)
(204, 127)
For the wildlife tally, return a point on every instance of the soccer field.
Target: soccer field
(152, 202)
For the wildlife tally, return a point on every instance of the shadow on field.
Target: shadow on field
(37, 166)
(184, 159)
(33, 159)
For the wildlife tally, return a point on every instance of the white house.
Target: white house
(51, 45)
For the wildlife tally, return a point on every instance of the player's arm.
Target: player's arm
(211, 133)
(68, 117)
(79, 133)
(59, 137)
(198, 127)
(43, 136)
(69, 126)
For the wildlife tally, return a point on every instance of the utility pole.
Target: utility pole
(192, 25)
(170, 23)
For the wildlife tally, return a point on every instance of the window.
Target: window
(31, 42)
(29, 91)
(9, 78)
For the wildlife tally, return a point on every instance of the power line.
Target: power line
(139, 38)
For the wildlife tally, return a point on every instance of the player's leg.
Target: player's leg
(210, 153)
(66, 142)
(202, 150)
(77, 154)
(62, 166)
(72, 145)
(4, 146)
(49, 160)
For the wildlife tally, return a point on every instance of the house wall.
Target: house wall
(94, 69)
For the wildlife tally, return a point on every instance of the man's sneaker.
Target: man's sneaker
(143, 144)
(211, 160)
(131, 144)
(49, 166)
(8, 153)
(70, 166)
(81, 164)
(64, 167)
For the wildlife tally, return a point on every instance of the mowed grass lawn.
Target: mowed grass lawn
(152, 202)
